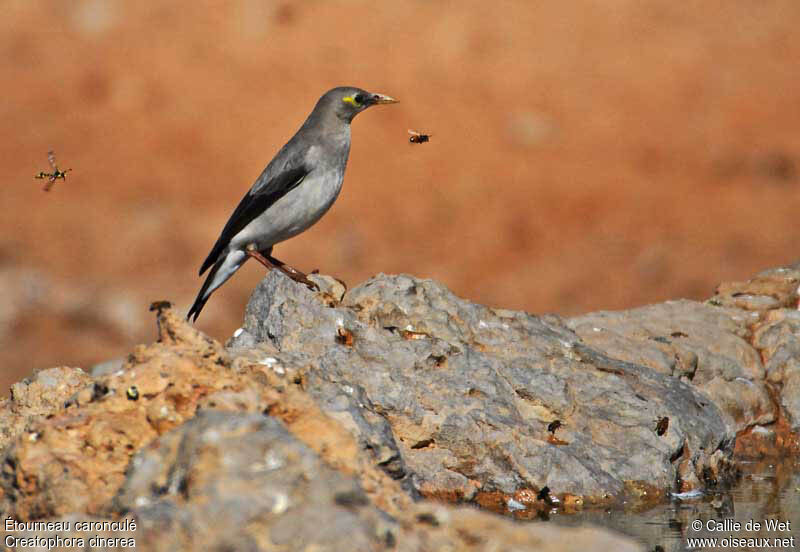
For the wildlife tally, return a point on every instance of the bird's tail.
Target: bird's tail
(223, 269)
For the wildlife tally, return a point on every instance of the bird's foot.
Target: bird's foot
(293, 273)
(344, 285)
(271, 262)
(299, 277)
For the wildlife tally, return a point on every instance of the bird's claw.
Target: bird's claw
(301, 278)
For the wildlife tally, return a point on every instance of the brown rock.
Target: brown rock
(41, 395)
(239, 481)
(75, 459)
(772, 289)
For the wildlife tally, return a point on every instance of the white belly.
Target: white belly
(293, 213)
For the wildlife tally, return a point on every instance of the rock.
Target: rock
(332, 289)
(699, 343)
(456, 397)
(778, 340)
(31, 399)
(771, 289)
(238, 481)
(75, 457)
(445, 528)
(78, 460)
(221, 471)
(106, 368)
(399, 390)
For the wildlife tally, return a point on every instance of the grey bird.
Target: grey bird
(298, 186)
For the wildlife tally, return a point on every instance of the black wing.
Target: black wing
(265, 192)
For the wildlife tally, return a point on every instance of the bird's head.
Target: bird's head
(347, 102)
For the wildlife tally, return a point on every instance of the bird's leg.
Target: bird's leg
(251, 251)
(271, 262)
(315, 271)
(293, 273)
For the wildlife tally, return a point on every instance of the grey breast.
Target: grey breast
(299, 209)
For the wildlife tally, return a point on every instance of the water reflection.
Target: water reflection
(765, 504)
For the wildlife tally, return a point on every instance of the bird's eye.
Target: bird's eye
(359, 99)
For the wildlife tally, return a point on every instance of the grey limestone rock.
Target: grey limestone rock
(241, 482)
(696, 342)
(456, 397)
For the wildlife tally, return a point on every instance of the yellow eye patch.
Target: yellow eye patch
(351, 100)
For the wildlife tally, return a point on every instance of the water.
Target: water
(768, 494)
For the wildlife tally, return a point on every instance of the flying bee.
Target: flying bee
(53, 176)
(553, 426)
(662, 426)
(418, 137)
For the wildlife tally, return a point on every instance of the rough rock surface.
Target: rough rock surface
(457, 397)
(213, 471)
(337, 411)
(741, 348)
(40, 395)
(694, 342)
(247, 472)
(74, 457)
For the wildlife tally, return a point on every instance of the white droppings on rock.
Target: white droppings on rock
(513, 505)
(596, 329)
(348, 389)
(694, 493)
(272, 461)
(272, 362)
(281, 503)
(482, 324)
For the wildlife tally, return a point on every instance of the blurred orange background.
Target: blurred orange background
(585, 155)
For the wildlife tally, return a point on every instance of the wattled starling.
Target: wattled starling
(298, 186)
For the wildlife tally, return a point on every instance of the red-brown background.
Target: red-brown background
(586, 155)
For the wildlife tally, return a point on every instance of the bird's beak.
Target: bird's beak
(381, 99)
